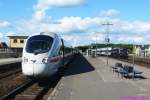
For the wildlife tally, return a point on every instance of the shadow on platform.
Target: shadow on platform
(79, 65)
(135, 77)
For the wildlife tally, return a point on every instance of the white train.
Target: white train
(44, 54)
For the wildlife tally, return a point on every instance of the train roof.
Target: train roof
(51, 34)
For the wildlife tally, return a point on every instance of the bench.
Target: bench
(129, 70)
(126, 71)
(117, 67)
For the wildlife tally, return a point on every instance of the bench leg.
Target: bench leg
(133, 76)
(113, 70)
(122, 75)
(118, 74)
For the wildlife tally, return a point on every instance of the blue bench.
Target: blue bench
(126, 70)
(117, 67)
(129, 70)
(137, 73)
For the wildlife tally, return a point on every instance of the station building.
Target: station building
(16, 43)
(142, 50)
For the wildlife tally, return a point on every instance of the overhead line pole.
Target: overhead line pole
(107, 36)
(96, 45)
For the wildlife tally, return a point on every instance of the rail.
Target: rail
(17, 90)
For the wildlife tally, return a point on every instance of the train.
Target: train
(44, 54)
(111, 52)
(119, 53)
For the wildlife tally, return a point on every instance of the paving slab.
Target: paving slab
(91, 79)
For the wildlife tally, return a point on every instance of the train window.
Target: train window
(67, 50)
(39, 44)
(61, 51)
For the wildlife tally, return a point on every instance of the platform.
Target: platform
(9, 61)
(90, 79)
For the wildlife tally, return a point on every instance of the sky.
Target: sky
(78, 21)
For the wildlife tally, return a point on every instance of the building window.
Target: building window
(15, 41)
(21, 41)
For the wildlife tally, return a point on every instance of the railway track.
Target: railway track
(14, 92)
(9, 73)
(8, 67)
(33, 89)
(9, 70)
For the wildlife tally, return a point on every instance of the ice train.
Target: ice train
(44, 54)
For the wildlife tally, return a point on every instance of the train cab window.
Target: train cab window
(39, 44)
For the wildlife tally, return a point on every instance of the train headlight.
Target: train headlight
(25, 59)
(45, 60)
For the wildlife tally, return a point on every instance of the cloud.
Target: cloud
(80, 30)
(11, 33)
(83, 30)
(64, 25)
(4, 24)
(75, 39)
(43, 5)
(77, 24)
(1, 35)
(110, 13)
(4, 36)
(129, 39)
(97, 36)
(134, 27)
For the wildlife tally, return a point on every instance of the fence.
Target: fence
(8, 53)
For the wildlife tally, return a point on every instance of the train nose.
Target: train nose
(34, 70)
(27, 69)
(40, 70)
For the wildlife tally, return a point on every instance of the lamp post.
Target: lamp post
(107, 24)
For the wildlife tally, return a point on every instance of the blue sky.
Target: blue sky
(77, 18)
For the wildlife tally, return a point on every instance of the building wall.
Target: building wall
(142, 52)
(17, 43)
(137, 51)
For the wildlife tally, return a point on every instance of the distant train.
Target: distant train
(44, 54)
(112, 52)
(119, 53)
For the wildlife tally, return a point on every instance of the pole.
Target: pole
(133, 61)
(107, 36)
(133, 55)
(96, 45)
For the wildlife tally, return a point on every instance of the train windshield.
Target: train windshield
(39, 44)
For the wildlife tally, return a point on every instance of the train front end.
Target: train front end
(35, 56)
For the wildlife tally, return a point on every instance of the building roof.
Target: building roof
(16, 36)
